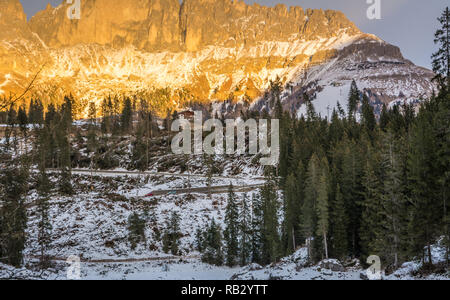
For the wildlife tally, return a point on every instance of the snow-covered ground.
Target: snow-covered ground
(328, 100)
(92, 225)
(294, 267)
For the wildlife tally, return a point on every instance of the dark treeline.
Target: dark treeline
(360, 188)
(349, 189)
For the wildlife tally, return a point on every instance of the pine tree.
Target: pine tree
(322, 210)
(308, 210)
(13, 217)
(171, 237)
(368, 117)
(23, 125)
(393, 204)
(291, 210)
(136, 230)
(126, 116)
(44, 225)
(384, 118)
(43, 189)
(371, 218)
(212, 242)
(441, 126)
(231, 232)
(353, 99)
(441, 59)
(353, 192)
(422, 172)
(38, 113)
(64, 147)
(199, 242)
(257, 228)
(271, 247)
(338, 226)
(139, 150)
(245, 232)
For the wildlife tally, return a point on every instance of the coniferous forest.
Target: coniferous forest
(349, 185)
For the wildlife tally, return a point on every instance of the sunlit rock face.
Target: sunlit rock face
(209, 49)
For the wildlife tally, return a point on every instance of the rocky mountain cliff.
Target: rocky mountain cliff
(209, 49)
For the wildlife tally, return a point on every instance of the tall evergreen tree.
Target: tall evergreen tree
(63, 121)
(353, 99)
(368, 117)
(13, 217)
(43, 189)
(393, 204)
(231, 232)
(371, 218)
(136, 230)
(257, 228)
(271, 250)
(441, 58)
(245, 232)
(291, 209)
(212, 243)
(422, 172)
(353, 192)
(308, 211)
(338, 226)
(171, 237)
(126, 116)
(322, 210)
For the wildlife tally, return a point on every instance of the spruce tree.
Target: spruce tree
(368, 117)
(308, 210)
(126, 117)
(171, 236)
(353, 99)
(44, 225)
(245, 232)
(271, 247)
(199, 241)
(257, 228)
(291, 208)
(231, 232)
(63, 131)
(422, 172)
(322, 210)
(441, 58)
(43, 189)
(353, 191)
(13, 217)
(212, 243)
(393, 206)
(338, 226)
(371, 218)
(136, 230)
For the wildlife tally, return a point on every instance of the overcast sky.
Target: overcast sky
(409, 24)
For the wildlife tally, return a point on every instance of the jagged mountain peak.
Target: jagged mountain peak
(210, 49)
(13, 20)
(155, 25)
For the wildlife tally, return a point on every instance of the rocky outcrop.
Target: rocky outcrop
(145, 24)
(155, 25)
(332, 264)
(13, 21)
(207, 49)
